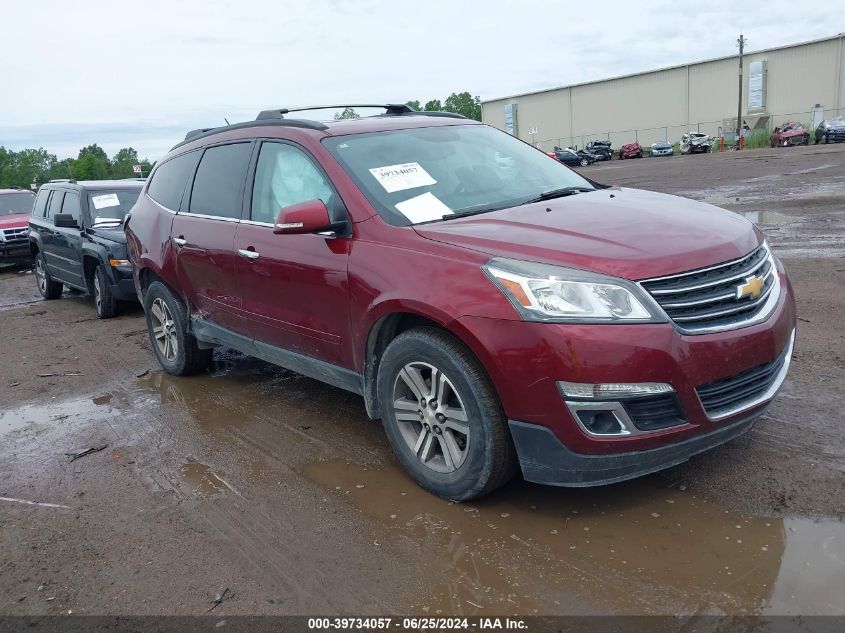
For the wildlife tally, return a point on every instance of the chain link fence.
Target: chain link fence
(672, 133)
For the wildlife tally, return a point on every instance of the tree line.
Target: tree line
(37, 166)
(460, 103)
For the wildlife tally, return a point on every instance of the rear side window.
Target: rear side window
(219, 184)
(171, 178)
(71, 206)
(40, 205)
(55, 204)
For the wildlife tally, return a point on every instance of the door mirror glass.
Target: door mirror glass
(310, 216)
(65, 221)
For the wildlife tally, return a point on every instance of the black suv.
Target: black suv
(77, 240)
(600, 149)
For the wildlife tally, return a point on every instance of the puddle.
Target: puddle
(52, 414)
(201, 479)
(769, 217)
(633, 548)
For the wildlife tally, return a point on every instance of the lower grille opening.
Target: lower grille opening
(655, 412)
(601, 422)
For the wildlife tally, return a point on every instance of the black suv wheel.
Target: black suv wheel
(104, 301)
(48, 288)
(442, 417)
(167, 323)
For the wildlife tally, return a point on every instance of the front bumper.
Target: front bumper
(525, 360)
(17, 251)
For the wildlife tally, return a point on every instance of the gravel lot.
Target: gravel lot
(280, 489)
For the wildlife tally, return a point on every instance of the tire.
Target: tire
(175, 348)
(104, 301)
(48, 288)
(449, 462)
(584, 162)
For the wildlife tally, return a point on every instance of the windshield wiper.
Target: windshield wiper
(463, 214)
(558, 193)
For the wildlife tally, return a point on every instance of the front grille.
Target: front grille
(16, 234)
(707, 299)
(741, 390)
(654, 412)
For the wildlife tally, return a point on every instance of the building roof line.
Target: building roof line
(663, 68)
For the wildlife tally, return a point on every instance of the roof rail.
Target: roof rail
(303, 123)
(62, 180)
(390, 108)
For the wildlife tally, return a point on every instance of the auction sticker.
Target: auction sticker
(423, 208)
(401, 177)
(106, 200)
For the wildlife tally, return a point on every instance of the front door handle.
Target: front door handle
(248, 254)
(180, 241)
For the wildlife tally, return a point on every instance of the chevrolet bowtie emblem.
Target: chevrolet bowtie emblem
(752, 287)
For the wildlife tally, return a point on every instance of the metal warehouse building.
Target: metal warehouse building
(780, 84)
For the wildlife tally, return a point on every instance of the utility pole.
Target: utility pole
(741, 43)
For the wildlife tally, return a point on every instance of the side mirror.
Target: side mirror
(65, 221)
(310, 216)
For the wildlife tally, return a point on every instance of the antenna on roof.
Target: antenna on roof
(227, 121)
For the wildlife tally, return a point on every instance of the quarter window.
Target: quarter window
(219, 183)
(40, 205)
(285, 175)
(171, 178)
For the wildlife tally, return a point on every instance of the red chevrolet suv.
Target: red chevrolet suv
(494, 309)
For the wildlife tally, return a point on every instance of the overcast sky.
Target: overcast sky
(142, 73)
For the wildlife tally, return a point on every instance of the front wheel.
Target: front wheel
(442, 416)
(167, 323)
(584, 162)
(48, 288)
(104, 300)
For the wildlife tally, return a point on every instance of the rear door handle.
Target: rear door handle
(180, 241)
(247, 254)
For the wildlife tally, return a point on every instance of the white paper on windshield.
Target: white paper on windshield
(423, 208)
(105, 200)
(401, 177)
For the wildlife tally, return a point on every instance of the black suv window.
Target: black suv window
(40, 205)
(55, 204)
(219, 183)
(170, 179)
(71, 205)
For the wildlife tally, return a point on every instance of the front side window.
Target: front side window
(171, 178)
(219, 184)
(425, 174)
(285, 176)
(40, 206)
(12, 203)
(71, 206)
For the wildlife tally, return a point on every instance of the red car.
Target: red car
(791, 133)
(15, 207)
(494, 309)
(631, 150)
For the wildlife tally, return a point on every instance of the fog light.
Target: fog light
(601, 422)
(611, 391)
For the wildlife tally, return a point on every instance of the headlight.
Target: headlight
(540, 292)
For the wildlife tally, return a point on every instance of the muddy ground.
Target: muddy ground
(280, 489)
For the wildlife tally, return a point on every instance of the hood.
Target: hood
(799, 132)
(626, 233)
(14, 221)
(113, 234)
(699, 140)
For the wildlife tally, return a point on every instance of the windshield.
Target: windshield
(11, 203)
(422, 174)
(109, 207)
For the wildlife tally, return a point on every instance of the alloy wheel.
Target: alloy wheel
(431, 417)
(164, 330)
(41, 275)
(98, 300)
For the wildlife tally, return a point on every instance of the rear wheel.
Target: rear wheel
(104, 300)
(442, 416)
(584, 162)
(167, 323)
(48, 288)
